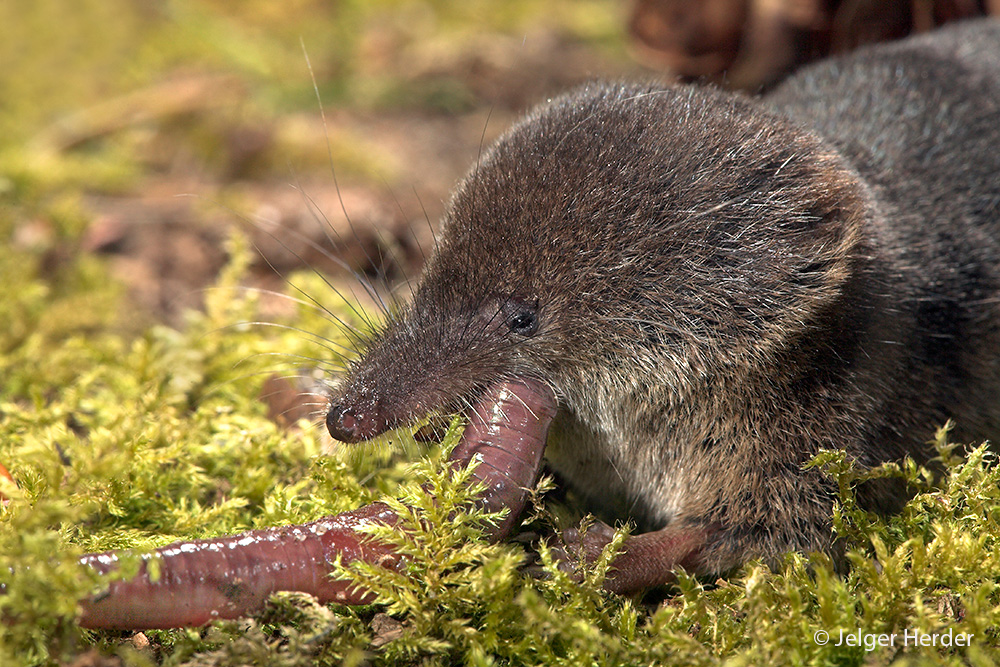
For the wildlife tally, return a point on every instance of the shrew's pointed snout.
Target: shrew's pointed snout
(349, 425)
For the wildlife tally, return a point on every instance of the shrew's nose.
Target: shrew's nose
(348, 426)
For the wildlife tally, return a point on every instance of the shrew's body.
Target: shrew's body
(679, 295)
(714, 287)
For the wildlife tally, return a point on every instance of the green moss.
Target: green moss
(132, 443)
(119, 442)
(119, 438)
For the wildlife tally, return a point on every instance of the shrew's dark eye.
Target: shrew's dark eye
(522, 316)
(524, 324)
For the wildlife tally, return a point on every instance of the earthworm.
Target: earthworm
(230, 577)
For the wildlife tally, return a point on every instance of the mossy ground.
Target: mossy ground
(132, 442)
(124, 433)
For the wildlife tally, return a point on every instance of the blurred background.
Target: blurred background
(135, 134)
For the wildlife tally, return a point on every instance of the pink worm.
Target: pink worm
(230, 577)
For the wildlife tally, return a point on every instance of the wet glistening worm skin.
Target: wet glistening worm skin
(230, 577)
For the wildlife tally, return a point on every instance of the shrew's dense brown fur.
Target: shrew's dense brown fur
(716, 287)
